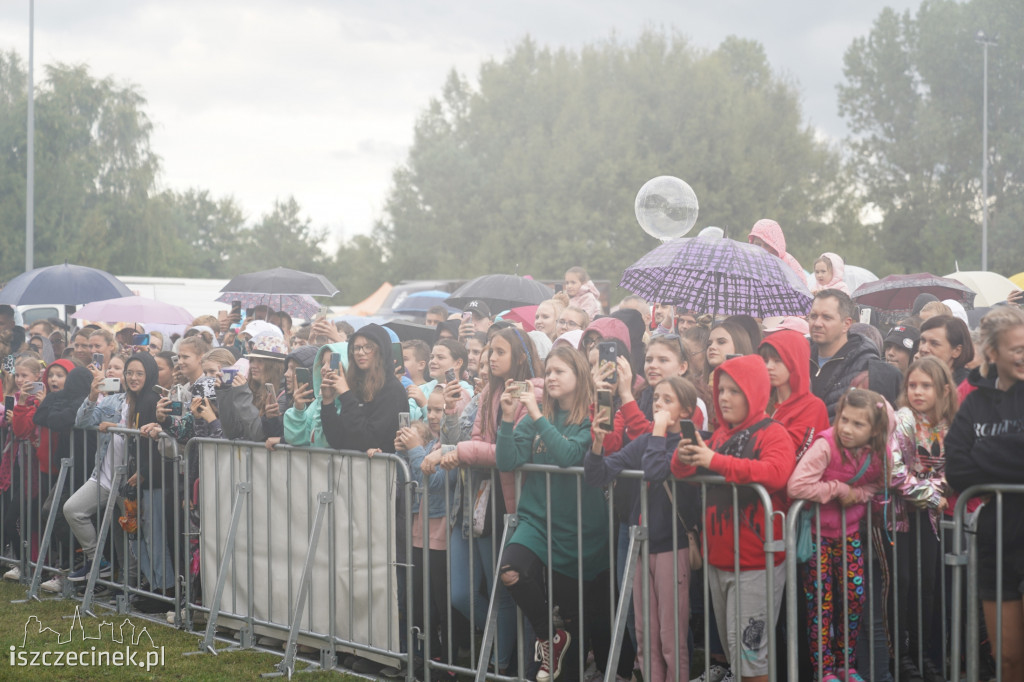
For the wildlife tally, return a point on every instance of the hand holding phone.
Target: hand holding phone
(687, 431)
(603, 415)
(607, 355)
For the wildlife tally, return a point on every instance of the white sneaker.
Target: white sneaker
(716, 673)
(54, 584)
(13, 574)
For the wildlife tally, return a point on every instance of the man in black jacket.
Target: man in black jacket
(838, 359)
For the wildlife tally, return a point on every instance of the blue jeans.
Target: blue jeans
(472, 600)
(151, 543)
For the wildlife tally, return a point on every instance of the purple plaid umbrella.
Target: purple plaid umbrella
(296, 305)
(719, 276)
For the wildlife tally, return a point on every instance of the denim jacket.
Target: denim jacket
(438, 505)
(90, 414)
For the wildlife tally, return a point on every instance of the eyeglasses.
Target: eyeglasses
(571, 324)
(365, 349)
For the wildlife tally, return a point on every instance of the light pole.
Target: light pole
(30, 180)
(986, 42)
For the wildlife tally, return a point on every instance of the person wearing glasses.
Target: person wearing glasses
(572, 319)
(371, 396)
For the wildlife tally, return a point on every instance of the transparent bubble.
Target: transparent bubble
(711, 232)
(666, 207)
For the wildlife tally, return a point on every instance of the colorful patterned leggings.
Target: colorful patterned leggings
(829, 558)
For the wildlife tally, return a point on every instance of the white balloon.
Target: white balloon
(666, 207)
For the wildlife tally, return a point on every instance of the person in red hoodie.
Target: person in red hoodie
(746, 448)
(787, 355)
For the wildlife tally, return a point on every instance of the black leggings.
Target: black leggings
(908, 573)
(531, 596)
(439, 605)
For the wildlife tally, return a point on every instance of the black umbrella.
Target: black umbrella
(411, 331)
(63, 284)
(500, 292)
(282, 281)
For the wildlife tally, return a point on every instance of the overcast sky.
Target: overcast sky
(317, 98)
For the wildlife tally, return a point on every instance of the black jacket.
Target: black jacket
(831, 381)
(364, 425)
(985, 444)
(57, 412)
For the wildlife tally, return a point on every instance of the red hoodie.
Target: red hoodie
(803, 414)
(771, 466)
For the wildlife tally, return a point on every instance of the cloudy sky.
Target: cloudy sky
(317, 98)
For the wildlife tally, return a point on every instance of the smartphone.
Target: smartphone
(97, 360)
(449, 375)
(605, 410)
(228, 374)
(174, 360)
(249, 312)
(518, 387)
(160, 390)
(467, 316)
(236, 309)
(730, 356)
(271, 391)
(335, 361)
(323, 313)
(8, 403)
(608, 352)
(110, 385)
(36, 388)
(303, 376)
(404, 420)
(559, 287)
(140, 340)
(688, 431)
(177, 408)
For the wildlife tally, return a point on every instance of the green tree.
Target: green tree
(357, 269)
(280, 238)
(539, 164)
(913, 99)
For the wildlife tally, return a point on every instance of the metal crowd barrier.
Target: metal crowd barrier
(244, 489)
(964, 562)
(301, 546)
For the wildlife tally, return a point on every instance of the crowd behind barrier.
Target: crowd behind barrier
(601, 497)
(275, 570)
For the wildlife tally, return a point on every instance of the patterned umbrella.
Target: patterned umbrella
(719, 276)
(897, 292)
(296, 305)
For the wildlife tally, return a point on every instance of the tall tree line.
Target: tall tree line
(533, 163)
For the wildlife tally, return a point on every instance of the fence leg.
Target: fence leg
(490, 629)
(287, 665)
(242, 490)
(44, 544)
(108, 517)
(637, 536)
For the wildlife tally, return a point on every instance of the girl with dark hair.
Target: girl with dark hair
(727, 338)
(511, 357)
(371, 396)
(947, 338)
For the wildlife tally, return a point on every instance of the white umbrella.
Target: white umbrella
(990, 287)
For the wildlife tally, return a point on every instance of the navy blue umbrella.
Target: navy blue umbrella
(422, 301)
(63, 285)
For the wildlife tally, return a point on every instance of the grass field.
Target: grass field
(58, 615)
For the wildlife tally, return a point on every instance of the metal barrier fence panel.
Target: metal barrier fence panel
(351, 586)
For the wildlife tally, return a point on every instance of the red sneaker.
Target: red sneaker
(551, 660)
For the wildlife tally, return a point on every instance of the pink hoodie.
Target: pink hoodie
(589, 299)
(838, 270)
(768, 231)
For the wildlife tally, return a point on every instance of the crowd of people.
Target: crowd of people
(823, 408)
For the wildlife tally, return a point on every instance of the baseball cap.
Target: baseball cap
(478, 308)
(904, 337)
(797, 324)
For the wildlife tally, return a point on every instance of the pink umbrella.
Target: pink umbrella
(524, 315)
(134, 309)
